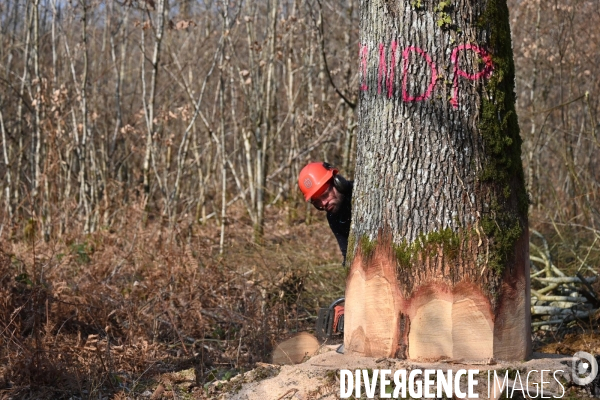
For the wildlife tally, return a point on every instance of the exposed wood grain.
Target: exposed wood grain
(295, 349)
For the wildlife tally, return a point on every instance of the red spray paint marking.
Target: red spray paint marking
(389, 81)
(486, 72)
(405, 55)
(364, 52)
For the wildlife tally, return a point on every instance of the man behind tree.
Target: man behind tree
(328, 191)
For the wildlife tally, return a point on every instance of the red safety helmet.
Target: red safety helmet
(314, 177)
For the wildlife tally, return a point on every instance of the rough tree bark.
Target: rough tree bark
(439, 240)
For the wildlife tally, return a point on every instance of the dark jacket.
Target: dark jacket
(340, 222)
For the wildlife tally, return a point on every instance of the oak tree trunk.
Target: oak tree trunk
(439, 233)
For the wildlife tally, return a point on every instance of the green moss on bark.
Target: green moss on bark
(367, 246)
(428, 245)
(505, 220)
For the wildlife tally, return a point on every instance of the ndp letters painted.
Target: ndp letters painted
(388, 63)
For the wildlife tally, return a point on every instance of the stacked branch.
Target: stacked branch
(558, 299)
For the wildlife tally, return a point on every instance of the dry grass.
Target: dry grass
(105, 314)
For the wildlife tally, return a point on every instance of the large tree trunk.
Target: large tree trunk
(439, 234)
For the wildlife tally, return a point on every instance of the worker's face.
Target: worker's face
(330, 199)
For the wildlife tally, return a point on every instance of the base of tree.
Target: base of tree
(437, 320)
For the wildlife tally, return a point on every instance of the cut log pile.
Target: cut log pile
(558, 299)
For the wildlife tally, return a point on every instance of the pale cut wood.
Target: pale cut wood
(295, 349)
(454, 328)
(512, 325)
(372, 328)
(437, 320)
(431, 330)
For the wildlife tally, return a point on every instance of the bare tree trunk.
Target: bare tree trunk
(439, 243)
(84, 187)
(149, 102)
(293, 149)
(20, 119)
(264, 131)
(202, 178)
(247, 133)
(349, 136)
(311, 114)
(41, 84)
(222, 132)
(54, 42)
(310, 67)
(8, 186)
(119, 70)
(37, 140)
(223, 152)
(531, 179)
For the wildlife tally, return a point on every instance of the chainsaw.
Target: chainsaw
(330, 323)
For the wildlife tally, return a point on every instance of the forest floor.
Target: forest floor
(318, 378)
(141, 310)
